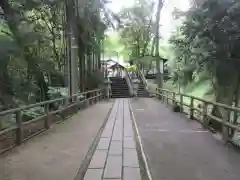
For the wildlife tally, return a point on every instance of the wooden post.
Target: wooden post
(89, 99)
(19, 131)
(93, 98)
(167, 97)
(174, 98)
(96, 98)
(181, 102)
(66, 102)
(204, 115)
(46, 122)
(191, 113)
(225, 133)
(162, 96)
(158, 93)
(100, 95)
(97, 93)
(86, 101)
(78, 102)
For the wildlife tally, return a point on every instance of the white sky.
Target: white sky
(167, 23)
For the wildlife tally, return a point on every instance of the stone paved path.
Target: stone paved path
(58, 153)
(116, 156)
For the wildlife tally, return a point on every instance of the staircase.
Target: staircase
(119, 87)
(142, 92)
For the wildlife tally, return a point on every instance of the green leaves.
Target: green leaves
(136, 27)
(208, 42)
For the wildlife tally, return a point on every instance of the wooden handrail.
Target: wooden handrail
(11, 111)
(165, 94)
(142, 78)
(202, 100)
(18, 127)
(130, 83)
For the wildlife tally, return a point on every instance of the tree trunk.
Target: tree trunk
(159, 74)
(147, 39)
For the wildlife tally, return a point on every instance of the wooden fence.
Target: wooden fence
(204, 110)
(67, 106)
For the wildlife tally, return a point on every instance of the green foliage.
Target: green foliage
(33, 44)
(131, 68)
(113, 45)
(136, 28)
(34, 48)
(208, 42)
(96, 79)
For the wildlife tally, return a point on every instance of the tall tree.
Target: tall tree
(136, 28)
(157, 37)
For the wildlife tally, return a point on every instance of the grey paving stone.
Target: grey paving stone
(103, 144)
(107, 132)
(127, 114)
(119, 121)
(115, 148)
(118, 125)
(127, 123)
(130, 173)
(128, 131)
(130, 158)
(93, 174)
(117, 134)
(129, 143)
(98, 159)
(113, 167)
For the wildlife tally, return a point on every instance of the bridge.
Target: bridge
(92, 136)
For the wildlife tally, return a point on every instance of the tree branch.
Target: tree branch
(7, 33)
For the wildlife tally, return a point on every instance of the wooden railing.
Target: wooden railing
(67, 106)
(191, 105)
(129, 82)
(142, 77)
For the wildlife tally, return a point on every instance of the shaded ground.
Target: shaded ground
(179, 149)
(58, 153)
